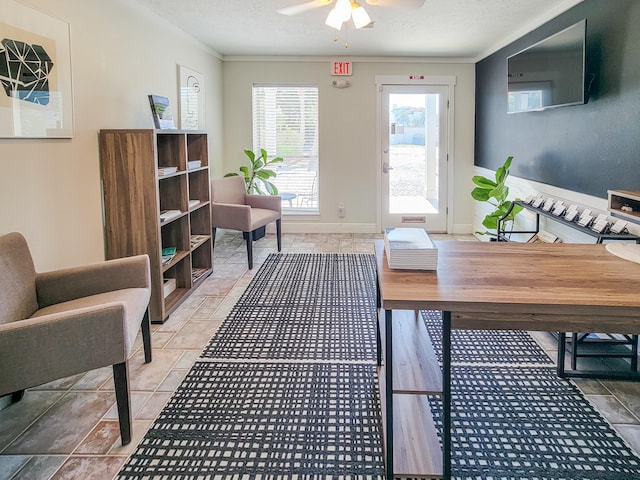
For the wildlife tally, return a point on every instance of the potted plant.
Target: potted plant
(257, 178)
(257, 174)
(495, 192)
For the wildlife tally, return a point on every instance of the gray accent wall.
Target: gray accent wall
(587, 148)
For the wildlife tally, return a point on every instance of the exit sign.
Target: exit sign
(341, 68)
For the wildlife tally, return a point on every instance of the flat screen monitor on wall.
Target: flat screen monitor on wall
(550, 73)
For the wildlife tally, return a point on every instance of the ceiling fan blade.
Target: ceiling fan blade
(303, 7)
(396, 3)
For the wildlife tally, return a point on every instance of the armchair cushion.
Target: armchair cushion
(134, 302)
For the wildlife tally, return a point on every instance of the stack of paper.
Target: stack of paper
(410, 248)
(166, 215)
(166, 171)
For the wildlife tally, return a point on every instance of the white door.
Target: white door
(413, 134)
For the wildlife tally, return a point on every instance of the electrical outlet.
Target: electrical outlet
(341, 212)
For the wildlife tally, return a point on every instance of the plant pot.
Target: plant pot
(258, 233)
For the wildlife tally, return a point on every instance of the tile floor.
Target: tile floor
(68, 429)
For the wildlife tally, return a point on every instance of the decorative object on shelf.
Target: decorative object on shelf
(257, 175)
(161, 111)
(495, 192)
(558, 208)
(600, 224)
(36, 100)
(191, 99)
(571, 213)
(619, 227)
(585, 218)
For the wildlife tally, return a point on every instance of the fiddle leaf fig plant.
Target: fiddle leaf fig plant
(258, 174)
(495, 192)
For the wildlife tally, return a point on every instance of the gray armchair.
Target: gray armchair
(64, 322)
(232, 207)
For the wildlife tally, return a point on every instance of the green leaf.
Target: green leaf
(491, 221)
(483, 181)
(250, 154)
(232, 174)
(480, 194)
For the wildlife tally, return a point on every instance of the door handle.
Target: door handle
(386, 168)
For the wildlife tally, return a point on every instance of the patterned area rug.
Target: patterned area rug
(287, 389)
(267, 421)
(526, 423)
(485, 346)
(303, 307)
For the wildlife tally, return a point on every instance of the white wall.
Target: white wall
(50, 189)
(348, 157)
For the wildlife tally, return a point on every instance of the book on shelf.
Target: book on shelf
(191, 164)
(196, 239)
(194, 203)
(197, 273)
(410, 249)
(168, 253)
(161, 111)
(166, 171)
(166, 215)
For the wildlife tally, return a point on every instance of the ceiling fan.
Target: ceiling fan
(344, 10)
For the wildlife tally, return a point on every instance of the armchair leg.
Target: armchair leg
(17, 396)
(250, 249)
(146, 336)
(279, 233)
(123, 399)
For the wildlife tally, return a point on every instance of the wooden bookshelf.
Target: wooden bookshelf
(135, 194)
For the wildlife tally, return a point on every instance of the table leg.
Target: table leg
(562, 344)
(446, 395)
(388, 322)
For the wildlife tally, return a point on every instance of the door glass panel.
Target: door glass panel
(413, 153)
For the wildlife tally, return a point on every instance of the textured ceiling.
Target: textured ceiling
(465, 29)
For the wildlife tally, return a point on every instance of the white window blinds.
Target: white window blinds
(285, 124)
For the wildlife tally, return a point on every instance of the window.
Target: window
(285, 124)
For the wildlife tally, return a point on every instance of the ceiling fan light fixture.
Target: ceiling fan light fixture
(360, 16)
(334, 20)
(343, 9)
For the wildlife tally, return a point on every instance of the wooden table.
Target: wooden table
(496, 285)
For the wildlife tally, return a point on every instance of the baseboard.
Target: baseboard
(462, 229)
(308, 227)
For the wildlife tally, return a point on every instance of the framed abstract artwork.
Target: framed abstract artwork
(36, 99)
(191, 96)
